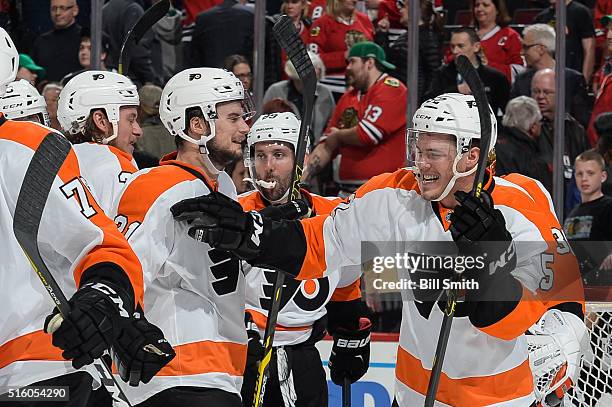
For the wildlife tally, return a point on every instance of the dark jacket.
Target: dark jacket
(577, 100)
(222, 31)
(58, 51)
(496, 86)
(517, 152)
(430, 56)
(118, 17)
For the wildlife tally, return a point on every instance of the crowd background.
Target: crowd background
(359, 121)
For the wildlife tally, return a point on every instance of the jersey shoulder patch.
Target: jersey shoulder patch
(392, 82)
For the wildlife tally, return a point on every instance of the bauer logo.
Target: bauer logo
(98, 76)
(353, 343)
(194, 76)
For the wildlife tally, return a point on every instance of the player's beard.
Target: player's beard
(276, 193)
(221, 157)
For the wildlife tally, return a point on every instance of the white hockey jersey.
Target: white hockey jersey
(483, 366)
(73, 231)
(303, 302)
(106, 170)
(193, 293)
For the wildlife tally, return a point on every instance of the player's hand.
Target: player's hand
(350, 354)
(383, 24)
(220, 221)
(140, 351)
(93, 323)
(292, 210)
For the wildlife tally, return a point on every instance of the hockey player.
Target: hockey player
(194, 293)
(92, 263)
(270, 158)
(486, 361)
(22, 102)
(98, 111)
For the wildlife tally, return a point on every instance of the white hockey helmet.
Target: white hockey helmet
(204, 88)
(273, 127)
(92, 90)
(21, 99)
(9, 60)
(450, 113)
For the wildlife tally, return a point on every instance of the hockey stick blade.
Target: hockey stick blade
(470, 75)
(290, 41)
(31, 201)
(155, 13)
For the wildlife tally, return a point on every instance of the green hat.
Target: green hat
(27, 62)
(369, 49)
(606, 19)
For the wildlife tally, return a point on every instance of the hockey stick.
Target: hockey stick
(470, 75)
(290, 41)
(155, 13)
(346, 392)
(35, 189)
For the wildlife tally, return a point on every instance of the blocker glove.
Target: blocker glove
(221, 222)
(97, 310)
(350, 354)
(140, 351)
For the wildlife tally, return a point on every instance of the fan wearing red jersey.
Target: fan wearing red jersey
(373, 140)
(270, 156)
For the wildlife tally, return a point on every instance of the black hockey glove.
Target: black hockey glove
(350, 354)
(140, 351)
(255, 349)
(220, 221)
(291, 210)
(93, 323)
(480, 230)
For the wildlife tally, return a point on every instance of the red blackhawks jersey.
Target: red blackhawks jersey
(328, 37)
(502, 48)
(389, 9)
(380, 117)
(316, 9)
(303, 302)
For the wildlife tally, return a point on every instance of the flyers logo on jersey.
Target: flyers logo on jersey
(307, 295)
(315, 31)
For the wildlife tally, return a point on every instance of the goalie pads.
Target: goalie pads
(557, 344)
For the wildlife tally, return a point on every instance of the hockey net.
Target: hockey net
(594, 388)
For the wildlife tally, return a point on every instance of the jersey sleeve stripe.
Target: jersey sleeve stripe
(371, 133)
(261, 320)
(349, 293)
(483, 390)
(33, 346)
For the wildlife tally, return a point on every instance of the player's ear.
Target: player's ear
(472, 157)
(101, 122)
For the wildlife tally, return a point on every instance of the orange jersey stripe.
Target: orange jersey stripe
(207, 357)
(261, 320)
(349, 293)
(468, 391)
(33, 346)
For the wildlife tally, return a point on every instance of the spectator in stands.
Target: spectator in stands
(58, 49)
(579, 37)
(240, 67)
(446, 79)
(165, 49)
(500, 43)
(85, 54)
(238, 172)
(602, 83)
(51, 93)
(333, 34)
(539, 53)
(291, 90)
(543, 91)
(194, 7)
(588, 226)
(156, 140)
(389, 19)
(430, 45)
(375, 142)
(277, 105)
(602, 9)
(118, 17)
(517, 147)
(221, 31)
(28, 70)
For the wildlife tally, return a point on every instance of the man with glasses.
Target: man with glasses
(543, 91)
(58, 50)
(539, 53)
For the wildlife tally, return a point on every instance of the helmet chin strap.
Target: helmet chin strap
(202, 144)
(114, 135)
(456, 175)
